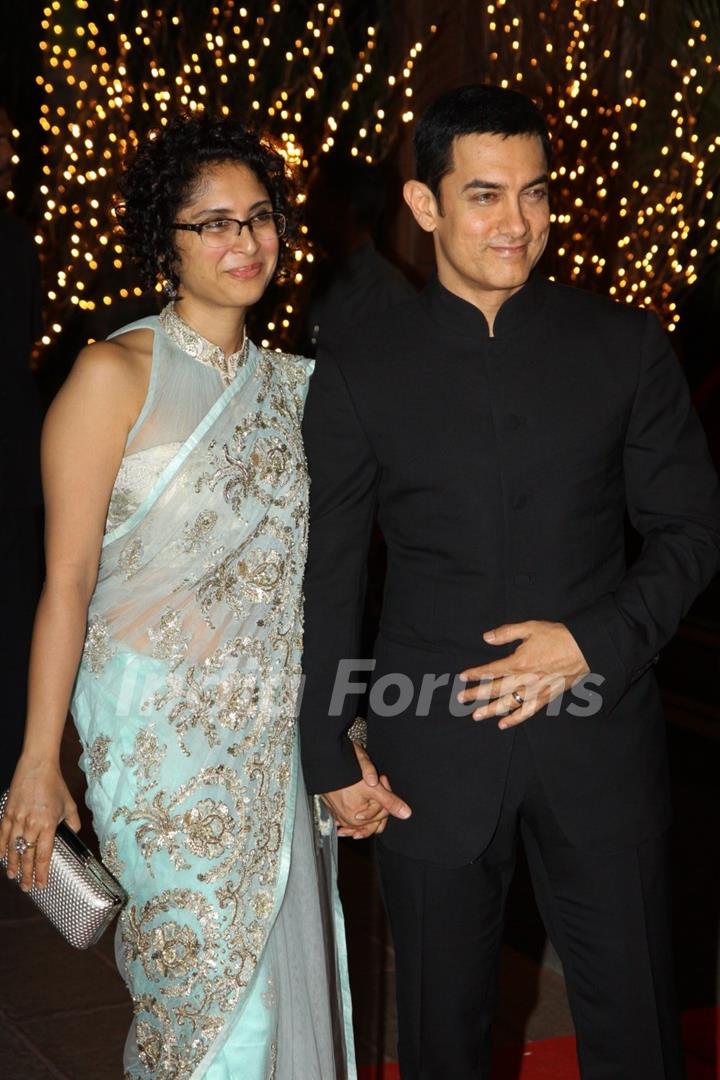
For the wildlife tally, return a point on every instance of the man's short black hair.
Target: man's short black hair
(472, 110)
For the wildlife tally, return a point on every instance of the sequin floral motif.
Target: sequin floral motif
(197, 534)
(97, 755)
(169, 640)
(211, 829)
(130, 557)
(99, 647)
(110, 856)
(146, 758)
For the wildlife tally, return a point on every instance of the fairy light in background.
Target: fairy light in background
(632, 207)
(398, 90)
(632, 219)
(105, 82)
(8, 193)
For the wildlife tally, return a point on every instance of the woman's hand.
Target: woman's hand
(362, 809)
(38, 801)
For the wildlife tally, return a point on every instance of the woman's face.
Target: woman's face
(237, 274)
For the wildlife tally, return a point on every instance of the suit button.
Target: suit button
(521, 500)
(523, 580)
(514, 422)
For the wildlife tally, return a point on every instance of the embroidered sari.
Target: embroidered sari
(185, 703)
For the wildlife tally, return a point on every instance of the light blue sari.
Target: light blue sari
(232, 939)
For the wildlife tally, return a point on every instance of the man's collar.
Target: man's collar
(466, 320)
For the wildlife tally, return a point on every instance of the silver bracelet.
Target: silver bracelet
(358, 731)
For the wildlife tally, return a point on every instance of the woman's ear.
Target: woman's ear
(423, 204)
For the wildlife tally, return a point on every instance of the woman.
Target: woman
(173, 459)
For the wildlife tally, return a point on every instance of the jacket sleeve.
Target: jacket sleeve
(343, 485)
(673, 501)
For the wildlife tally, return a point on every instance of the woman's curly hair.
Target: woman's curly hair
(162, 176)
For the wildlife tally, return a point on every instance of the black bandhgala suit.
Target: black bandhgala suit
(502, 469)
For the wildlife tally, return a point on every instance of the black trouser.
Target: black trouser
(607, 916)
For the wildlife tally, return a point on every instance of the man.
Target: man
(504, 425)
(353, 281)
(20, 495)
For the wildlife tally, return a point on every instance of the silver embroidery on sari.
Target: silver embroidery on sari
(203, 594)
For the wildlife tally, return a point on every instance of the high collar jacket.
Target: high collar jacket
(502, 469)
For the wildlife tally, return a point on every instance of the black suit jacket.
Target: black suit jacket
(502, 469)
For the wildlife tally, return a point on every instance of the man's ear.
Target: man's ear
(423, 204)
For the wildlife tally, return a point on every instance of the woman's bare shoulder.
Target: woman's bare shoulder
(110, 373)
(131, 350)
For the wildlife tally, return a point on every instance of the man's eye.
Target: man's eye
(218, 226)
(538, 193)
(485, 197)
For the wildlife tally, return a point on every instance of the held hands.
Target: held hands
(546, 663)
(362, 809)
(38, 801)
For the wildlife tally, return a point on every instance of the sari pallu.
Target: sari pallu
(185, 702)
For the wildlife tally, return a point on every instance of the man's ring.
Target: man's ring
(518, 697)
(22, 845)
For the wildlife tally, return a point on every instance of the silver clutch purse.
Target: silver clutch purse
(81, 897)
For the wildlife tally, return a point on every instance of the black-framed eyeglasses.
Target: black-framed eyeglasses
(224, 231)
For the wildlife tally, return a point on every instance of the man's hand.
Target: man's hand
(362, 809)
(546, 663)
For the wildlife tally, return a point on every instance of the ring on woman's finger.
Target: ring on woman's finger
(22, 845)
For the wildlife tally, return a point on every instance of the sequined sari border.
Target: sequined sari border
(282, 880)
(344, 974)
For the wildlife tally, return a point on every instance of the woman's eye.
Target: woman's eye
(262, 218)
(217, 226)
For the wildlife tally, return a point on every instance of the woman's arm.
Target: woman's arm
(82, 446)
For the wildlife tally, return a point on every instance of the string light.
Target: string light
(627, 204)
(642, 182)
(15, 161)
(105, 82)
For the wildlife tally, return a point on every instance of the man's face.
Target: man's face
(6, 152)
(490, 224)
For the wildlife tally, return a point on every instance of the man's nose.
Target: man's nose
(514, 222)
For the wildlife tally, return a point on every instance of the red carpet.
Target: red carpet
(554, 1059)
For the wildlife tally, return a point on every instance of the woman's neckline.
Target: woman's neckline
(199, 348)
